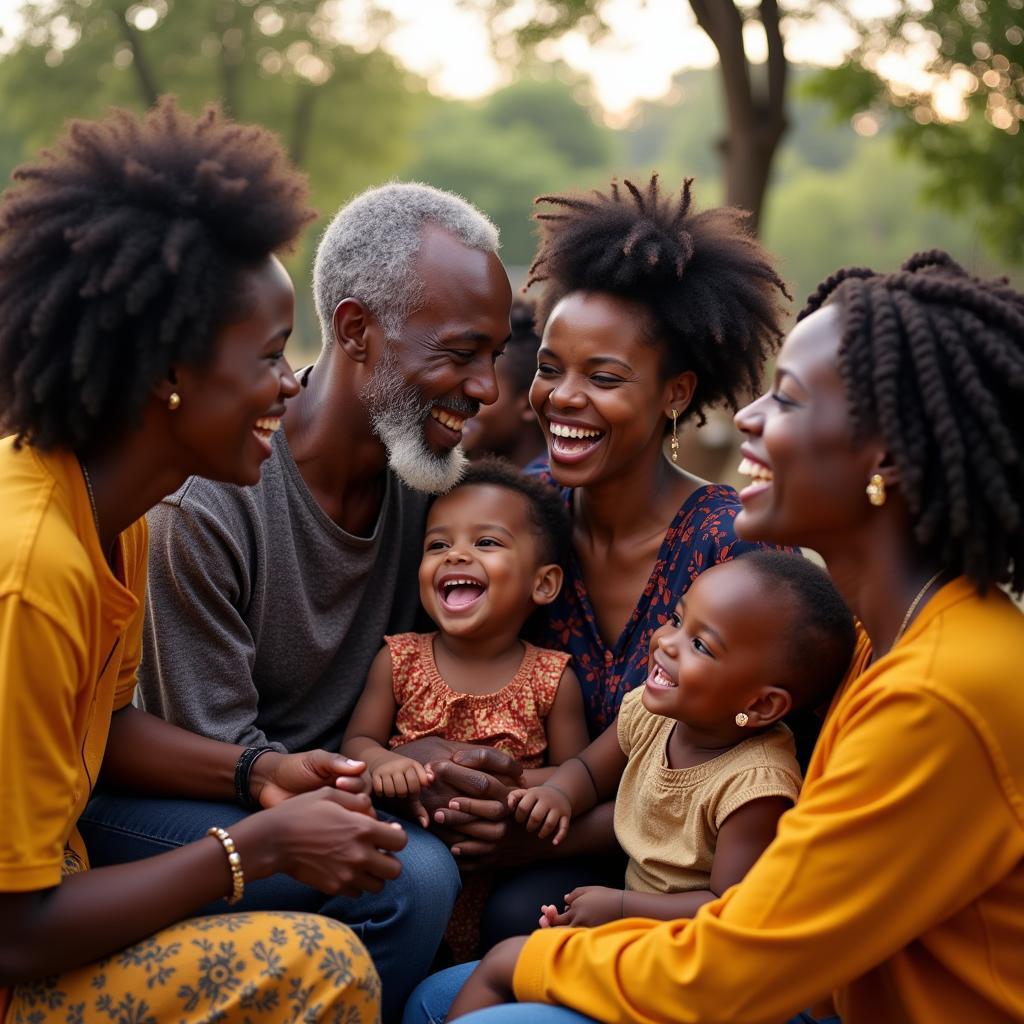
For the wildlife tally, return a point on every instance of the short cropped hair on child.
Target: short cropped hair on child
(820, 641)
(548, 515)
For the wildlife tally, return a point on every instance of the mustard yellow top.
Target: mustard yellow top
(70, 642)
(667, 819)
(896, 882)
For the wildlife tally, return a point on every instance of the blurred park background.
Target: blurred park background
(854, 132)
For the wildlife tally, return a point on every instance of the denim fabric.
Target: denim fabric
(401, 926)
(430, 1001)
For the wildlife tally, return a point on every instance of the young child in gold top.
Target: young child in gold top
(702, 763)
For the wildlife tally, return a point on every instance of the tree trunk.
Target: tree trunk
(143, 72)
(755, 108)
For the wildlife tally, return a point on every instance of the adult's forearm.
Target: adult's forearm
(92, 914)
(147, 755)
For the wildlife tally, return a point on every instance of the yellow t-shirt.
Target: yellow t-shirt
(667, 819)
(70, 643)
(897, 880)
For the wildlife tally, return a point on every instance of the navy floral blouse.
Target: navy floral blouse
(700, 535)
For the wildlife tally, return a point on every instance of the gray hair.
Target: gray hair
(369, 250)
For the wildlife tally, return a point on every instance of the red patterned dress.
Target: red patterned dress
(511, 720)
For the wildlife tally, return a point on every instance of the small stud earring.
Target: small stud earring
(741, 719)
(875, 490)
(675, 437)
(173, 400)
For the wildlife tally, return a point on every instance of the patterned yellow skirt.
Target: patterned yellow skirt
(259, 967)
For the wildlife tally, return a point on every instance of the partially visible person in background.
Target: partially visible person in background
(509, 426)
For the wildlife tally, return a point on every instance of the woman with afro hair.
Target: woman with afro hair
(143, 319)
(890, 443)
(654, 312)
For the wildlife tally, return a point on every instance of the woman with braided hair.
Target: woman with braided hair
(143, 320)
(889, 442)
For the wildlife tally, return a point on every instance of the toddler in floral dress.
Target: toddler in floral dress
(491, 555)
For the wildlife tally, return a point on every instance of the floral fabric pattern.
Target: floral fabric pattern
(700, 535)
(227, 969)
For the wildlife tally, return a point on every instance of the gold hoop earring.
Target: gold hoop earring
(675, 436)
(173, 400)
(741, 719)
(875, 490)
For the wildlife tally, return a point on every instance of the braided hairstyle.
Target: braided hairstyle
(712, 294)
(120, 253)
(933, 362)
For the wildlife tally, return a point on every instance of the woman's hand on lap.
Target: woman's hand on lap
(328, 839)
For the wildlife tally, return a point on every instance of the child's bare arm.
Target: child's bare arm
(393, 775)
(565, 728)
(578, 784)
(743, 837)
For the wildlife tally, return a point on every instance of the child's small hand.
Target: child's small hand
(402, 778)
(550, 917)
(542, 809)
(591, 905)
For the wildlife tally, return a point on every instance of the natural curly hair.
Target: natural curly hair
(120, 252)
(933, 362)
(713, 295)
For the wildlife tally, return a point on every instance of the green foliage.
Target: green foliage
(341, 114)
(974, 162)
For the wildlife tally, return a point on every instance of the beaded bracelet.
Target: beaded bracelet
(243, 770)
(234, 863)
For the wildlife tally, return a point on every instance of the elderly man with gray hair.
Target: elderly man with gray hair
(267, 604)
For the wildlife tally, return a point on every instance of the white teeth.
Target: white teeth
(660, 676)
(561, 430)
(462, 583)
(748, 467)
(267, 425)
(451, 420)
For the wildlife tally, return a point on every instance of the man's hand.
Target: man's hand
(543, 809)
(585, 907)
(276, 777)
(468, 798)
(491, 983)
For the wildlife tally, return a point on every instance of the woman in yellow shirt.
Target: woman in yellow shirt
(890, 443)
(143, 319)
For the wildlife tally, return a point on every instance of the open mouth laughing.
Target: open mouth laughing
(460, 593)
(658, 677)
(761, 476)
(572, 442)
(263, 430)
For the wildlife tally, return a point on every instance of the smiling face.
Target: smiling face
(232, 404)
(599, 393)
(719, 650)
(440, 370)
(481, 568)
(809, 476)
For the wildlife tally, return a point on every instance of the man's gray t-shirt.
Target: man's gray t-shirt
(263, 615)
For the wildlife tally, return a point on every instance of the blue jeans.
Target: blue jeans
(430, 1002)
(401, 926)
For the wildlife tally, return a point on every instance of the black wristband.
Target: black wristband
(243, 769)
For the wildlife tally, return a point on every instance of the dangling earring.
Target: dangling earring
(173, 400)
(875, 490)
(675, 437)
(741, 719)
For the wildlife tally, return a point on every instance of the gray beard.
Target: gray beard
(398, 416)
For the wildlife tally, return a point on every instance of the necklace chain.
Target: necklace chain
(92, 497)
(913, 607)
